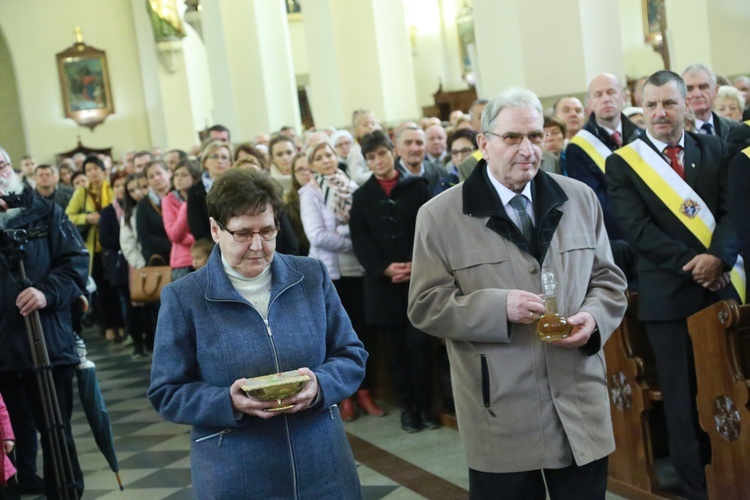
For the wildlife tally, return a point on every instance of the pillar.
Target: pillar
(165, 86)
(359, 57)
(251, 67)
(551, 48)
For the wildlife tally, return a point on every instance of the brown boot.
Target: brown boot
(365, 401)
(348, 413)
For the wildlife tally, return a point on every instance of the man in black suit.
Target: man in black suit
(702, 87)
(680, 271)
(411, 147)
(606, 130)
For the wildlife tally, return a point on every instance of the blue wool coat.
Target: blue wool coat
(208, 336)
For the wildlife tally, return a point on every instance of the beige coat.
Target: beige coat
(545, 406)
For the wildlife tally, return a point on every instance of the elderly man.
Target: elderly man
(570, 111)
(411, 148)
(701, 91)
(668, 191)
(437, 144)
(530, 412)
(56, 263)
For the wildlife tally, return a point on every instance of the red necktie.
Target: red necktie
(673, 153)
(617, 137)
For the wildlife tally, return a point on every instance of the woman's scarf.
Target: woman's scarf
(337, 194)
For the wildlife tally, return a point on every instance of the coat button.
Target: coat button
(533, 269)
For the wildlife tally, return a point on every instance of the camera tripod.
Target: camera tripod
(12, 246)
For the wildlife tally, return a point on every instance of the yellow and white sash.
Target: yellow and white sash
(747, 149)
(592, 146)
(679, 198)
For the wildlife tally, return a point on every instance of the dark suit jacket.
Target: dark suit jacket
(663, 244)
(723, 126)
(739, 203)
(197, 213)
(738, 138)
(580, 166)
(433, 172)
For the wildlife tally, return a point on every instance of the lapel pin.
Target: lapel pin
(692, 165)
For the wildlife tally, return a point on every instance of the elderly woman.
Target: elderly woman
(729, 103)
(252, 312)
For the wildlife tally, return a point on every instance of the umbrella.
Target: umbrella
(95, 409)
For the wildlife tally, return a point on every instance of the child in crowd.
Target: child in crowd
(200, 251)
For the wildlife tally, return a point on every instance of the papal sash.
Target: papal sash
(747, 149)
(592, 146)
(679, 198)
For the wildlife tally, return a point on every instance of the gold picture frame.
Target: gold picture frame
(84, 83)
(654, 21)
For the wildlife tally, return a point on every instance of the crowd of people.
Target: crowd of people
(403, 268)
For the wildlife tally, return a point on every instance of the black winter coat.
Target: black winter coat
(382, 230)
(151, 233)
(57, 264)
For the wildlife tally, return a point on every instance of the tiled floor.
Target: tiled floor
(154, 455)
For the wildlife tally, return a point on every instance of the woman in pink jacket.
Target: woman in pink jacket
(6, 435)
(174, 213)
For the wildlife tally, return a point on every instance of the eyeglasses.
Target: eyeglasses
(515, 138)
(244, 235)
(219, 157)
(464, 151)
(4, 165)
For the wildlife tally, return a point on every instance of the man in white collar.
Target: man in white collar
(411, 145)
(606, 130)
(701, 88)
(681, 270)
(480, 251)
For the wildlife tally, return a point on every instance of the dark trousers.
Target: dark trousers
(105, 302)
(63, 385)
(352, 294)
(410, 364)
(675, 367)
(587, 482)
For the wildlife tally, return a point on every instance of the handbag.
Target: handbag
(146, 283)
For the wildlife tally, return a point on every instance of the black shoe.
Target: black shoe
(30, 485)
(410, 421)
(430, 420)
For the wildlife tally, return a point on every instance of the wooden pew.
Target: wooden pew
(631, 379)
(721, 345)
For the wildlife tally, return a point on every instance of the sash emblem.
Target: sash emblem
(690, 208)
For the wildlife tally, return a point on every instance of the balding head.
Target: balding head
(606, 100)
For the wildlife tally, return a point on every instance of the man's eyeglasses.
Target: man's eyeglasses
(515, 138)
(464, 151)
(244, 235)
(4, 165)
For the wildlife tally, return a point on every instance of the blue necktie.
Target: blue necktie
(707, 129)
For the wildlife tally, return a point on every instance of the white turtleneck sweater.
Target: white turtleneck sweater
(257, 291)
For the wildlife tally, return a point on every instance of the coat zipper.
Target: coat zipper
(220, 434)
(486, 385)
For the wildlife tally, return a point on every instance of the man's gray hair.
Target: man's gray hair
(741, 79)
(4, 154)
(404, 129)
(698, 67)
(511, 98)
(663, 77)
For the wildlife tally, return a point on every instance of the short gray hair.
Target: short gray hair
(698, 67)
(409, 127)
(511, 98)
(729, 92)
(741, 78)
(663, 77)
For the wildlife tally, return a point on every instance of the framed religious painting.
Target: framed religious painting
(653, 21)
(84, 83)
